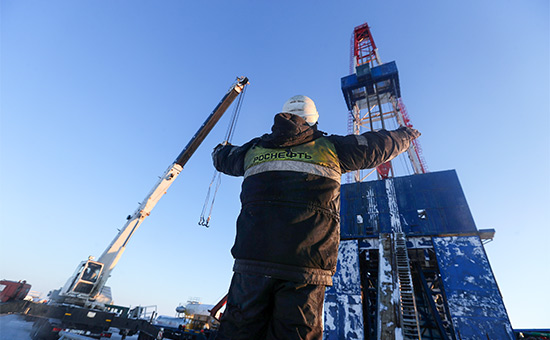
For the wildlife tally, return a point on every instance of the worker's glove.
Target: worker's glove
(218, 147)
(412, 133)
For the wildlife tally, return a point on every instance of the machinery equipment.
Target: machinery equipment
(87, 285)
(411, 261)
(84, 301)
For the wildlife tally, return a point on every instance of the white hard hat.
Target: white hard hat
(302, 106)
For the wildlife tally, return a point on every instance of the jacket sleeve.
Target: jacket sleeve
(371, 149)
(229, 159)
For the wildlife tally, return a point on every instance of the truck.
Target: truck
(13, 291)
(84, 303)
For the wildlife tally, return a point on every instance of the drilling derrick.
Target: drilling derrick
(373, 98)
(411, 262)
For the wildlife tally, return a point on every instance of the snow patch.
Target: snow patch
(385, 270)
(347, 279)
(398, 333)
(392, 204)
(372, 209)
(330, 311)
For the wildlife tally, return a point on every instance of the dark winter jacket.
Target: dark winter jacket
(289, 225)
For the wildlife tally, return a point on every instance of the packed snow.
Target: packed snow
(17, 327)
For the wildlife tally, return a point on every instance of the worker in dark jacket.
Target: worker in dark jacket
(288, 229)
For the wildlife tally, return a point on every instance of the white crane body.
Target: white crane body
(87, 285)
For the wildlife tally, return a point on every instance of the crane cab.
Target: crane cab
(85, 278)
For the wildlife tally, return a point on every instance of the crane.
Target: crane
(87, 286)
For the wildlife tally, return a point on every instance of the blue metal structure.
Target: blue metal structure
(411, 262)
(383, 78)
(429, 204)
(455, 290)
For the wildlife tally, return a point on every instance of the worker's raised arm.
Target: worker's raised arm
(371, 149)
(229, 159)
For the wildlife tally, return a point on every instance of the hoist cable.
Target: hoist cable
(235, 117)
(216, 178)
(205, 221)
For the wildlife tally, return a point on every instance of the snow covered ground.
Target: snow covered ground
(14, 327)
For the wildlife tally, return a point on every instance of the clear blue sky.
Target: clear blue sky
(99, 97)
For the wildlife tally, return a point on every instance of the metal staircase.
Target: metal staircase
(409, 317)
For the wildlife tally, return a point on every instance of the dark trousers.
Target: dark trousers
(261, 307)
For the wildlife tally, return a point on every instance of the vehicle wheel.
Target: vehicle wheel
(43, 330)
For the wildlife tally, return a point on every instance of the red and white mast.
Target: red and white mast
(375, 102)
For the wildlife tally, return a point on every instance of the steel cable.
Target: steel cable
(204, 219)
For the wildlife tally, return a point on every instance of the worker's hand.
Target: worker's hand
(412, 133)
(217, 148)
